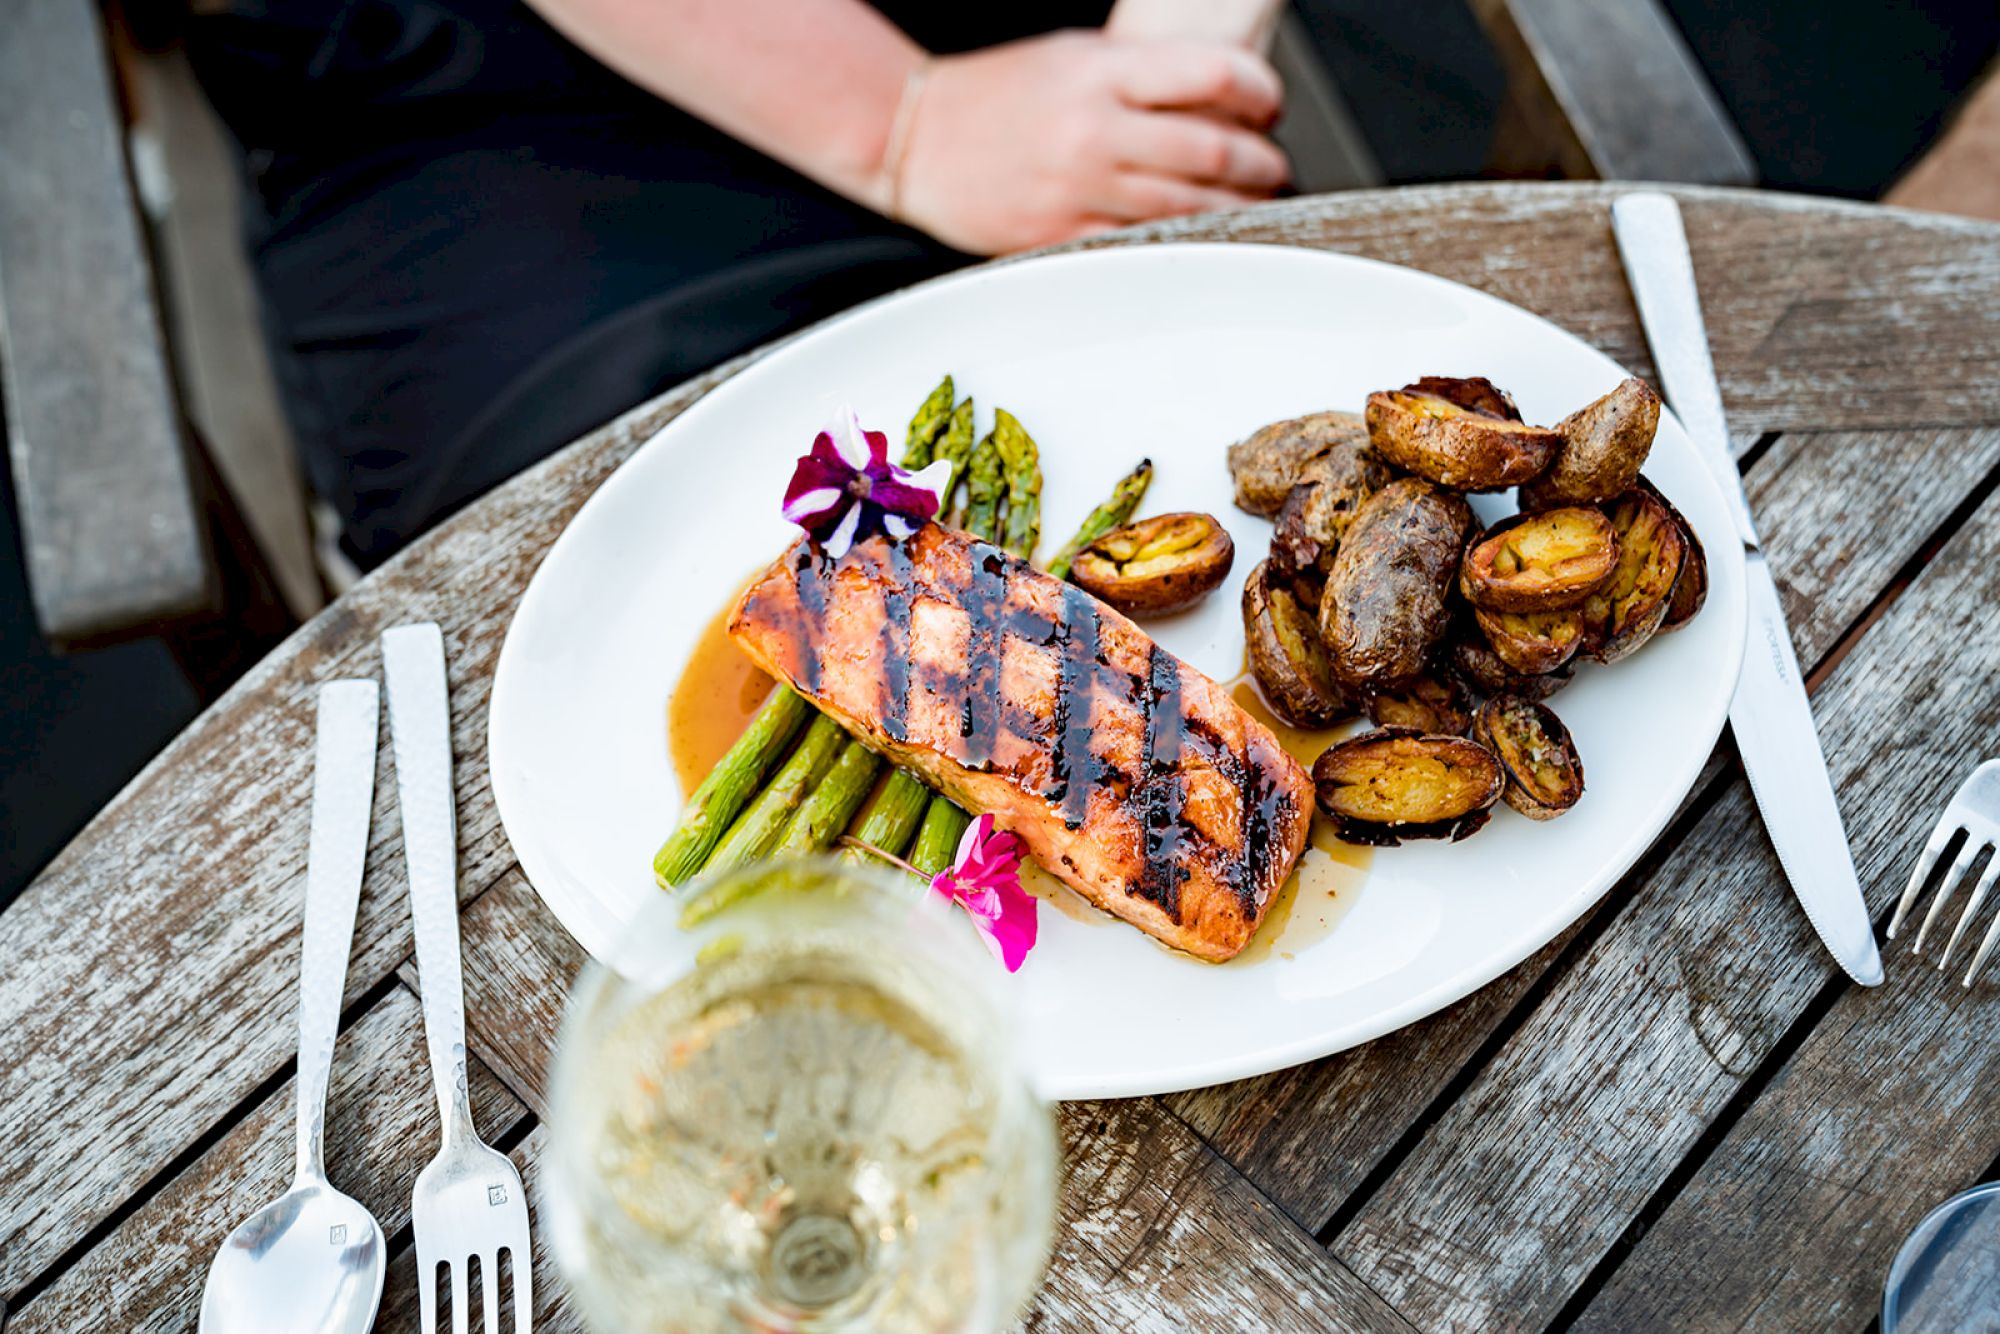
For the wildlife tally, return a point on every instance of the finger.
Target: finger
(1226, 80)
(1174, 143)
(1138, 196)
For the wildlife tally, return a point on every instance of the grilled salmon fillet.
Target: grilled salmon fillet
(1127, 774)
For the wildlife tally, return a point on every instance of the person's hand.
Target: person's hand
(1055, 137)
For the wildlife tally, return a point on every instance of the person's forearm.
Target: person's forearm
(813, 83)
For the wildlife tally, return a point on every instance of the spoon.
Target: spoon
(313, 1259)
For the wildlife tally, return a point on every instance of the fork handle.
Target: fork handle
(343, 795)
(420, 731)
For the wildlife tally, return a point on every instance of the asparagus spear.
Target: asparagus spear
(892, 822)
(729, 785)
(927, 426)
(955, 446)
(985, 487)
(757, 829)
(832, 802)
(1022, 463)
(1125, 498)
(937, 838)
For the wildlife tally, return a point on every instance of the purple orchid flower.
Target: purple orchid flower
(845, 489)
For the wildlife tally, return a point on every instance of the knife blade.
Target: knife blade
(1769, 712)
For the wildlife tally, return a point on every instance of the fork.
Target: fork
(468, 1204)
(1974, 811)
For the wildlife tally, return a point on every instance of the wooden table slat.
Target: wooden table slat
(1527, 1180)
(1885, 1111)
(382, 1127)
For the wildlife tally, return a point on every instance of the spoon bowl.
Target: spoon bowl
(312, 1260)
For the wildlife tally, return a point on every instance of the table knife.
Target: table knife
(1769, 713)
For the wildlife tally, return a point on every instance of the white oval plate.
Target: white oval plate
(1167, 351)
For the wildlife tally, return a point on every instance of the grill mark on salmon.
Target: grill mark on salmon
(895, 642)
(1160, 789)
(985, 605)
(812, 601)
(1077, 768)
(1126, 773)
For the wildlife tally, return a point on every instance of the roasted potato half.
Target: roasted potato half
(1429, 704)
(1272, 460)
(1631, 606)
(1316, 515)
(1532, 642)
(1462, 434)
(1604, 446)
(1473, 660)
(1163, 564)
(1540, 562)
(1397, 783)
(1691, 589)
(1385, 606)
(1544, 775)
(1286, 656)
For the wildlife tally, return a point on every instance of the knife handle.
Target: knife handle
(343, 796)
(1653, 244)
(420, 733)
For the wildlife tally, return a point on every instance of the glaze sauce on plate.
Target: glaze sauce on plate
(1323, 886)
(719, 692)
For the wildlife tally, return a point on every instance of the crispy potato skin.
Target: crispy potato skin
(1540, 562)
(1317, 513)
(1385, 604)
(1544, 775)
(1632, 605)
(1286, 656)
(1532, 643)
(1156, 566)
(1604, 446)
(1691, 589)
(1398, 783)
(1431, 703)
(1269, 463)
(1458, 439)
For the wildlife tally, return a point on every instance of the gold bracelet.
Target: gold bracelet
(897, 146)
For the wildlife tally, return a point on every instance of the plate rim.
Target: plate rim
(592, 929)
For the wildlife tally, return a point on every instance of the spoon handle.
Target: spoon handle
(420, 731)
(343, 796)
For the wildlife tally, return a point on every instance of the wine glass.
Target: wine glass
(803, 1113)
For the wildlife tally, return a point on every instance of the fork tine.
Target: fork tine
(461, 1304)
(489, 1290)
(1985, 948)
(1986, 878)
(1959, 866)
(524, 1289)
(427, 1298)
(1933, 849)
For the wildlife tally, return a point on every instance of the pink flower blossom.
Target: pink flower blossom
(985, 879)
(844, 489)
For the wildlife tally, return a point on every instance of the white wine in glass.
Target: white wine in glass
(803, 1114)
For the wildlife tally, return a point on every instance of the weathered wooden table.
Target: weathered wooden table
(1677, 1115)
